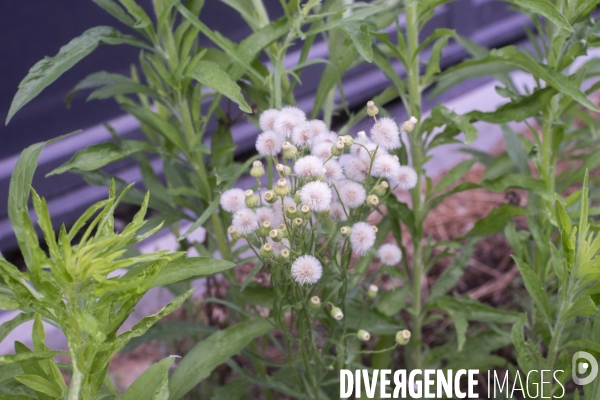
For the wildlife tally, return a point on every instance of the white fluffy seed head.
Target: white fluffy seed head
(269, 143)
(309, 167)
(302, 135)
(385, 133)
(316, 195)
(245, 221)
(267, 119)
(289, 117)
(352, 194)
(318, 127)
(386, 166)
(306, 270)
(266, 214)
(326, 137)
(336, 212)
(362, 238)
(356, 169)
(406, 178)
(321, 150)
(233, 200)
(333, 172)
(389, 254)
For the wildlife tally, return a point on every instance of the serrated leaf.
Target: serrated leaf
(359, 33)
(46, 71)
(212, 352)
(584, 306)
(7, 327)
(460, 122)
(209, 74)
(495, 220)
(534, 288)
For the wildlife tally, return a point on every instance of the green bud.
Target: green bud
(346, 231)
(282, 188)
(270, 197)
(251, 199)
(257, 169)
(264, 229)
(266, 251)
(409, 125)
(291, 212)
(372, 200)
(289, 151)
(274, 235)
(337, 313)
(235, 235)
(372, 292)
(348, 140)
(338, 148)
(305, 211)
(372, 109)
(402, 337)
(315, 302)
(284, 170)
(363, 335)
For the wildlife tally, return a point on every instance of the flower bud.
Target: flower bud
(264, 229)
(297, 198)
(291, 212)
(266, 251)
(284, 170)
(372, 200)
(338, 148)
(348, 140)
(274, 235)
(402, 337)
(372, 292)
(270, 197)
(363, 335)
(380, 188)
(284, 255)
(375, 229)
(409, 125)
(288, 150)
(315, 302)
(372, 109)
(282, 188)
(298, 222)
(251, 199)
(235, 235)
(257, 169)
(346, 231)
(304, 211)
(283, 232)
(337, 313)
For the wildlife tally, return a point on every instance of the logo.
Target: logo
(580, 367)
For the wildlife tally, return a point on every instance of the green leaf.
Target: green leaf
(39, 384)
(515, 149)
(158, 123)
(534, 288)
(171, 330)
(46, 71)
(116, 11)
(433, 65)
(33, 356)
(495, 220)
(546, 9)
(584, 306)
(460, 122)
(209, 74)
(97, 156)
(212, 352)
(453, 272)
(234, 390)
(359, 33)
(401, 211)
(193, 267)
(517, 110)
(145, 323)
(7, 327)
(18, 196)
(144, 386)
(584, 344)
(392, 301)
(456, 173)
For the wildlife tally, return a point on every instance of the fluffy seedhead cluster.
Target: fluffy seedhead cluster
(315, 214)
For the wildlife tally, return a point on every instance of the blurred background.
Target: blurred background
(33, 29)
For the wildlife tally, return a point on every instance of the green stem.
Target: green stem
(416, 149)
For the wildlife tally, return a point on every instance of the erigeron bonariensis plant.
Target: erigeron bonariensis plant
(307, 229)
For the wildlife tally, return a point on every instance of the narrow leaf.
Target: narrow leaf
(209, 74)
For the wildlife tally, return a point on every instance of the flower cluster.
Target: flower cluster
(322, 182)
